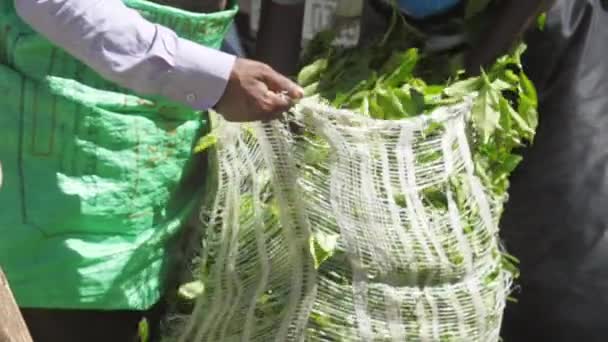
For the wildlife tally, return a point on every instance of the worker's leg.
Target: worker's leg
(374, 22)
(90, 326)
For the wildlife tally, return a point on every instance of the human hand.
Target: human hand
(255, 92)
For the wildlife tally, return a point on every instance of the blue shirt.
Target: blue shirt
(421, 9)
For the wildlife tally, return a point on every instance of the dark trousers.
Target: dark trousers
(91, 326)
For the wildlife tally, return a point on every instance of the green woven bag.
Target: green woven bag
(94, 176)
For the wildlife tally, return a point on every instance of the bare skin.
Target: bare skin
(255, 92)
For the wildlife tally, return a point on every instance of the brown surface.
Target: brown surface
(12, 326)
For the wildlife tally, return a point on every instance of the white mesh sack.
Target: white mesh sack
(331, 226)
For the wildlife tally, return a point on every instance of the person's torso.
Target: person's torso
(96, 178)
(556, 221)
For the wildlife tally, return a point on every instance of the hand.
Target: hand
(255, 92)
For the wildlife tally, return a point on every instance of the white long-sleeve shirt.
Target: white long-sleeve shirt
(122, 46)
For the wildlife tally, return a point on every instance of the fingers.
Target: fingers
(255, 92)
(279, 83)
(276, 103)
(268, 105)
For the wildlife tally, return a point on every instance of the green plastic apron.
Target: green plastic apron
(93, 175)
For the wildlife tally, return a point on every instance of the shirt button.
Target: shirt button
(190, 98)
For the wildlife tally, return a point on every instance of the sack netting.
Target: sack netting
(331, 226)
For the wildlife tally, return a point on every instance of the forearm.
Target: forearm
(280, 34)
(123, 47)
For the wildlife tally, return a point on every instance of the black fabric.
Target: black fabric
(557, 217)
(91, 326)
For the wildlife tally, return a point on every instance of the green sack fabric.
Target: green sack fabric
(94, 176)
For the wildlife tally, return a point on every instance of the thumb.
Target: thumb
(278, 103)
(279, 83)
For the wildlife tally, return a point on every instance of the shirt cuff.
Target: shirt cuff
(199, 75)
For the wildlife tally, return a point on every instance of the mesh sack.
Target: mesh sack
(330, 226)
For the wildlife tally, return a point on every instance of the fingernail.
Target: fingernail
(300, 91)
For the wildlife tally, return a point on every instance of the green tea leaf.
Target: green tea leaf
(391, 104)
(509, 165)
(412, 101)
(364, 108)
(315, 155)
(322, 247)
(432, 93)
(311, 89)
(311, 73)
(508, 112)
(510, 77)
(191, 291)
(376, 111)
(528, 111)
(515, 57)
(406, 64)
(433, 127)
(500, 85)
(528, 102)
(463, 88)
(205, 143)
(400, 200)
(143, 330)
(418, 101)
(506, 120)
(528, 89)
(485, 115)
(541, 21)
(435, 197)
